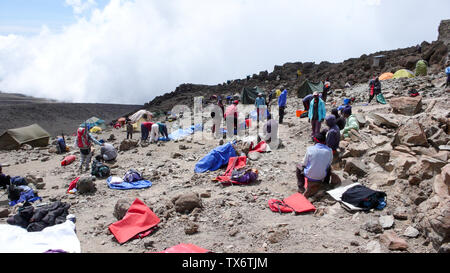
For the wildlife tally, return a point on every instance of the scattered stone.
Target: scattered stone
(254, 156)
(128, 144)
(4, 213)
(121, 208)
(176, 155)
(392, 241)
(401, 213)
(356, 167)
(373, 226)
(411, 134)
(386, 221)
(191, 228)
(411, 232)
(86, 185)
(278, 235)
(187, 202)
(373, 247)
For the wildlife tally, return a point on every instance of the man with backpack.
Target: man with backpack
(375, 88)
(84, 142)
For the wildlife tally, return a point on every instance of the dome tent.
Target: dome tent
(403, 73)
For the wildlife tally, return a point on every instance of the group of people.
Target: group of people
(152, 131)
(85, 141)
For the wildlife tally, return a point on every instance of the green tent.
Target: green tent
(94, 121)
(248, 95)
(421, 68)
(33, 135)
(308, 88)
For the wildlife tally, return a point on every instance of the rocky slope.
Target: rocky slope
(400, 149)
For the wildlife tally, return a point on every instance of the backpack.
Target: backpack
(100, 170)
(82, 138)
(447, 71)
(243, 176)
(132, 176)
(363, 197)
(413, 93)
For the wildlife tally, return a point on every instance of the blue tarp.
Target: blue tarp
(143, 184)
(215, 159)
(180, 133)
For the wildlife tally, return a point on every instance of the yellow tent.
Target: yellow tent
(96, 130)
(386, 76)
(403, 73)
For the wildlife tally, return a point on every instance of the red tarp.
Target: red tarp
(296, 202)
(139, 219)
(185, 248)
(235, 163)
(260, 148)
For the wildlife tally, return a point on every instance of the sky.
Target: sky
(130, 51)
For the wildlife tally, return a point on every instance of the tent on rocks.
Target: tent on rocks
(33, 135)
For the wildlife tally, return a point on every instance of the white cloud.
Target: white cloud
(132, 51)
(80, 6)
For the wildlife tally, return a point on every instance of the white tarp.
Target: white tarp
(14, 239)
(337, 195)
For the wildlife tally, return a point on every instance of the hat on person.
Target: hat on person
(316, 94)
(347, 110)
(320, 137)
(236, 102)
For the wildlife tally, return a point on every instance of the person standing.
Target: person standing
(130, 129)
(317, 113)
(260, 104)
(282, 101)
(375, 88)
(232, 112)
(84, 142)
(326, 89)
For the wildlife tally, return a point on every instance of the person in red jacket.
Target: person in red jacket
(146, 128)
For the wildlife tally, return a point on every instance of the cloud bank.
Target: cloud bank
(132, 51)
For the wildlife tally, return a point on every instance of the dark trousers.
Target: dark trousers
(164, 132)
(306, 105)
(144, 133)
(301, 178)
(324, 95)
(448, 81)
(129, 135)
(281, 114)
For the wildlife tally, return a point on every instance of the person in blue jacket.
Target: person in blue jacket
(317, 113)
(282, 100)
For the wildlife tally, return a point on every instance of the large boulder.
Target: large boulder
(187, 202)
(356, 167)
(128, 144)
(86, 184)
(121, 208)
(406, 105)
(411, 134)
(385, 120)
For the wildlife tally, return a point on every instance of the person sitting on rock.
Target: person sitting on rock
(316, 167)
(340, 121)
(333, 135)
(351, 123)
(108, 152)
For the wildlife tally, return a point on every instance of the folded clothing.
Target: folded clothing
(143, 184)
